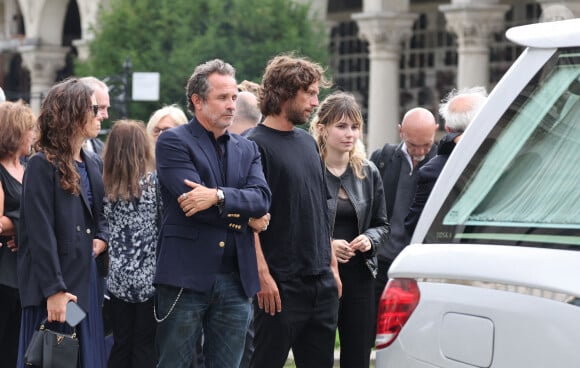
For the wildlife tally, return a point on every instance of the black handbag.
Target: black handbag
(33, 354)
(50, 349)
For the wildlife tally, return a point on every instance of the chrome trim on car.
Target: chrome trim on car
(512, 288)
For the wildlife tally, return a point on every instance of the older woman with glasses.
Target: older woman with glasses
(165, 118)
(63, 233)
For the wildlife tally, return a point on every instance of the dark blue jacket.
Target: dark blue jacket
(428, 175)
(190, 248)
(56, 233)
(399, 190)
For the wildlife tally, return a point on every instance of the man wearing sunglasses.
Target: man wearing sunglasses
(103, 103)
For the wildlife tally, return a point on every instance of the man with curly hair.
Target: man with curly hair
(297, 306)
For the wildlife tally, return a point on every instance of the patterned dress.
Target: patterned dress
(134, 227)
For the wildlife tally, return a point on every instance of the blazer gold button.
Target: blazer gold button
(88, 231)
(222, 244)
(78, 228)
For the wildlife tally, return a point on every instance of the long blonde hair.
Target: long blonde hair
(335, 107)
(127, 157)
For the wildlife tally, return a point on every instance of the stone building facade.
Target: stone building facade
(392, 54)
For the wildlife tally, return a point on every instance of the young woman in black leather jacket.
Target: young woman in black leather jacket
(358, 219)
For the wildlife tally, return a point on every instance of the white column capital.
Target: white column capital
(43, 61)
(82, 46)
(474, 23)
(384, 31)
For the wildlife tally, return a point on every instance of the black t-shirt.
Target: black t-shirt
(346, 227)
(297, 242)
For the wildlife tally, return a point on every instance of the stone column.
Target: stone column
(43, 62)
(82, 46)
(384, 31)
(9, 24)
(473, 22)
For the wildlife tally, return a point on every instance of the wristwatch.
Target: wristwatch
(220, 196)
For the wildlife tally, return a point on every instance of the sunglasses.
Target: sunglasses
(96, 110)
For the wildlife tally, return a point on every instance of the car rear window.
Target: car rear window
(522, 187)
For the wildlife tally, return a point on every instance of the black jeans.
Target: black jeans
(356, 325)
(133, 333)
(307, 324)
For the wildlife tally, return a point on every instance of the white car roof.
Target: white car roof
(565, 33)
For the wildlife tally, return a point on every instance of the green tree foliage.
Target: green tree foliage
(172, 37)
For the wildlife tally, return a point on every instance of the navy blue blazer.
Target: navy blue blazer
(190, 248)
(56, 233)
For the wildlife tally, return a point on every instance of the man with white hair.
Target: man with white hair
(102, 95)
(458, 110)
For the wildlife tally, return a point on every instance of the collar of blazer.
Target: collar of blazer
(93, 165)
(233, 152)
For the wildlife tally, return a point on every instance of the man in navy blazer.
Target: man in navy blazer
(212, 186)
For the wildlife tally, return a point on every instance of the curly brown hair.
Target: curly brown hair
(284, 76)
(16, 119)
(64, 114)
(127, 157)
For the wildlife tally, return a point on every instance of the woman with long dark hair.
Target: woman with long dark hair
(63, 233)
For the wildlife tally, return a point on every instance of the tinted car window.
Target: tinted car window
(523, 185)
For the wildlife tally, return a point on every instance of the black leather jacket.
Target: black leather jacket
(368, 198)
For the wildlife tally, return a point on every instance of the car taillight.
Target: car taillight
(398, 301)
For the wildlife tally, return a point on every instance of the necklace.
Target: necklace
(336, 171)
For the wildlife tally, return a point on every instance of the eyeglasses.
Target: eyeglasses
(96, 110)
(157, 131)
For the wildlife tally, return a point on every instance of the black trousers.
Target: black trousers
(10, 313)
(307, 324)
(356, 324)
(133, 333)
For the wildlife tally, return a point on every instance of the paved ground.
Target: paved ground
(290, 362)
